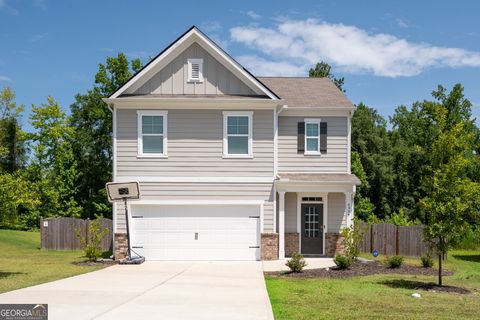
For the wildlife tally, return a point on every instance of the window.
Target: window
(195, 70)
(312, 136)
(311, 199)
(152, 133)
(237, 134)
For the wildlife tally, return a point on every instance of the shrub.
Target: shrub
(343, 261)
(91, 244)
(470, 241)
(427, 261)
(352, 240)
(296, 263)
(394, 262)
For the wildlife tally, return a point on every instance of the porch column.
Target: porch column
(349, 208)
(281, 225)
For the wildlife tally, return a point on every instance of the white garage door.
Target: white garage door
(196, 232)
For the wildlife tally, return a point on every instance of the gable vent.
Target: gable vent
(195, 70)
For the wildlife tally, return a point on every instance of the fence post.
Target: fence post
(371, 239)
(87, 230)
(397, 241)
(42, 235)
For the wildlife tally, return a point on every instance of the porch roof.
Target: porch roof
(330, 178)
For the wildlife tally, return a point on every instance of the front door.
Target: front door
(312, 228)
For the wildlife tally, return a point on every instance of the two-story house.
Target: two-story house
(230, 166)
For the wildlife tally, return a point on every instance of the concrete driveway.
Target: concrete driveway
(156, 290)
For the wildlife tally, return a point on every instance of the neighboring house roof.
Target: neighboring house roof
(305, 92)
(320, 177)
(194, 34)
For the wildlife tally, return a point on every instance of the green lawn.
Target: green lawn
(23, 264)
(380, 296)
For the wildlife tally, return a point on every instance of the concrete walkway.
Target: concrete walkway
(156, 290)
(312, 263)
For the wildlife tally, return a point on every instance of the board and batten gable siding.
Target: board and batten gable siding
(173, 78)
(195, 146)
(205, 191)
(335, 160)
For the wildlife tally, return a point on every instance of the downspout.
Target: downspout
(114, 147)
(275, 162)
(349, 143)
(275, 140)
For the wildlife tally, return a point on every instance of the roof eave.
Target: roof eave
(151, 102)
(301, 182)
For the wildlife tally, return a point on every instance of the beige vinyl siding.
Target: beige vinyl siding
(205, 192)
(336, 212)
(335, 160)
(173, 78)
(195, 146)
(290, 212)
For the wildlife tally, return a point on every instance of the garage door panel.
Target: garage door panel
(196, 232)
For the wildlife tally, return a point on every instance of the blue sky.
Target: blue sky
(390, 52)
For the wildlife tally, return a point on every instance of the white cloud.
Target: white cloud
(262, 67)
(5, 78)
(350, 49)
(8, 8)
(210, 26)
(38, 37)
(253, 15)
(401, 23)
(142, 55)
(40, 4)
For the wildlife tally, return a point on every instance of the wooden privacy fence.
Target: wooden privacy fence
(390, 239)
(60, 233)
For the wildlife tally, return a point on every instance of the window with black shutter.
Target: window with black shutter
(301, 137)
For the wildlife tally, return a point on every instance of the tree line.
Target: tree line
(421, 163)
(61, 167)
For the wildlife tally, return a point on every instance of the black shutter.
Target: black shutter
(323, 137)
(301, 137)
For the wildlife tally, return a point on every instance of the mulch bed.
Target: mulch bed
(374, 267)
(106, 262)
(359, 269)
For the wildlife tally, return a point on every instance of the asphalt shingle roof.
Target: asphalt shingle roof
(307, 92)
(320, 177)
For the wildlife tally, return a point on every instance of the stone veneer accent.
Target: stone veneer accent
(291, 243)
(121, 246)
(269, 246)
(333, 244)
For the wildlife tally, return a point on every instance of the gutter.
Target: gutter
(275, 142)
(109, 104)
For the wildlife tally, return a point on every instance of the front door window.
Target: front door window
(311, 222)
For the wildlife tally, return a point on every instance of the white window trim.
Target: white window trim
(227, 114)
(200, 70)
(140, 114)
(316, 121)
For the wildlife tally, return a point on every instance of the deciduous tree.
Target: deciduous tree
(92, 140)
(323, 70)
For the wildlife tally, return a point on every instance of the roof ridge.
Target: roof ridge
(313, 78)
